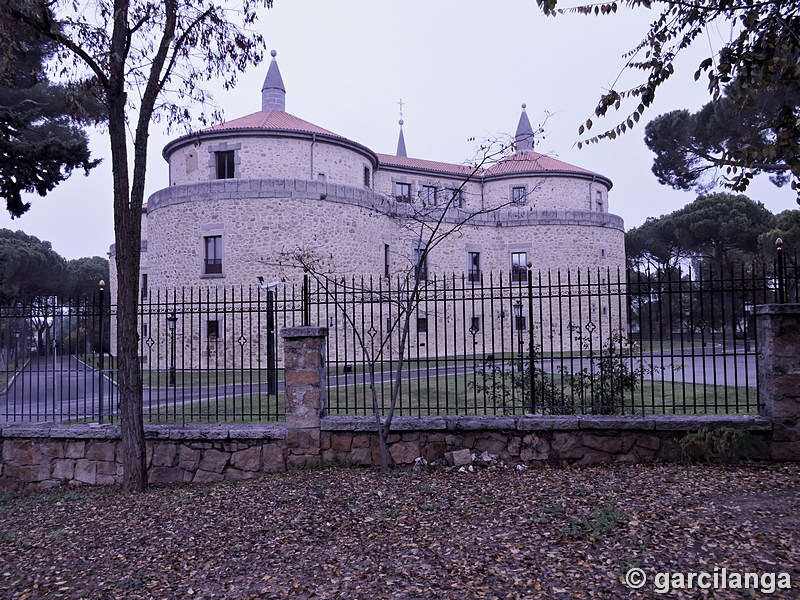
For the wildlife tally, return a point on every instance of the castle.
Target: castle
(246, 193)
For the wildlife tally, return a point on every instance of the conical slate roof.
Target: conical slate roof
(273, 92)
(523, 139)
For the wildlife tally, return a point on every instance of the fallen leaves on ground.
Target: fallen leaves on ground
(351, 534)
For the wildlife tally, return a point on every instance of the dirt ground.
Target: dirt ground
(354, 534)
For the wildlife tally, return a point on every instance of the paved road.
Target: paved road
(65, 389)
(56, 389)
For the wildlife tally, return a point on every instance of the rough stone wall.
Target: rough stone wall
(347, 230)
(548, 192)
(384, 180)
(350, 237)
(778, 332)
(270, 156)
(44, 457)
(41, 458)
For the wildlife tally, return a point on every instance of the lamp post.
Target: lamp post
(171, 320)
(101, 400)
(519, 328)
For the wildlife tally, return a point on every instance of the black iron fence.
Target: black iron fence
(578, 342)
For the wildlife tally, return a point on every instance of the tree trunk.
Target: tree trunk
(127, 228)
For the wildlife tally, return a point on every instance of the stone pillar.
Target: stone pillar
(306, 392)
(778, 330)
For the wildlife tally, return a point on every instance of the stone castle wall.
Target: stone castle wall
(347, 228)
(262, 156)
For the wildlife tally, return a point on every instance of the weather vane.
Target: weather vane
(401, 107)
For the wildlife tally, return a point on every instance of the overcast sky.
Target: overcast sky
(462, 68)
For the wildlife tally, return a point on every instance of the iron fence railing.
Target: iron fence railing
(574, 342)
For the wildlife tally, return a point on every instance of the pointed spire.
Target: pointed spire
(273, 93)
(401, 141)
(523, 140)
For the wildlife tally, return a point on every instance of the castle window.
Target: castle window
(473, 266)
(457, 197)
(225, 164)
(420, 264)
(519, 195)
(144, 289)
(428, 195)
(367, 176)
(599, 200)
(422, 325)
(386, 261)
(212, 255)
(520, 323)
(402, 192)
(212, 329)
(519, 266)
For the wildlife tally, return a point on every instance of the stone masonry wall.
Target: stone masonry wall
(40, 457)
(778, 331)
(259, 224)
(271, 156)
(35, 458)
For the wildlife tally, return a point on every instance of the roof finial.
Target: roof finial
(273, 92)
(523, 140)
(401, 141)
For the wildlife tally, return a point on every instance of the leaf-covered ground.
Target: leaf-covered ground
(351, 534)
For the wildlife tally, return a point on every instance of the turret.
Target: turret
(273, 92)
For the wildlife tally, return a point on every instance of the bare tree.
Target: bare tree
(428, 225)
(144, 60)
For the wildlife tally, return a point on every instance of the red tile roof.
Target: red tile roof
(272, 119)
(427, 165)
(520, 162)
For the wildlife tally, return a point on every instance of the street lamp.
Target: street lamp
(171, 320)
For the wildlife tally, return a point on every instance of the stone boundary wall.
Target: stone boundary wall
(230, 189)
(43, 456)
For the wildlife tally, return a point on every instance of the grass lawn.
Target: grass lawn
(352, 534)
(443, 396)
